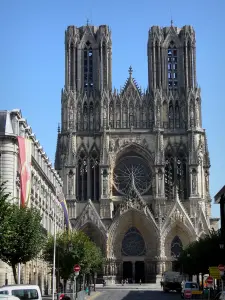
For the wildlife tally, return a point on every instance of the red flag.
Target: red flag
(25, 168)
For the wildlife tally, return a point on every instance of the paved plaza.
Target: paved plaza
(131, 294)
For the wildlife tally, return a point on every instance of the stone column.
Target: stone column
(133, 270)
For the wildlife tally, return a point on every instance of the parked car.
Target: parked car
(22, 291)
(7, 297)
(189, 286)
(220, 296)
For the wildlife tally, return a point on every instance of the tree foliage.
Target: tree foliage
(201, 254)
(73, 248)
(21, 235)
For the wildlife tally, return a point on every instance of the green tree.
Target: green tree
(72, 248)
(22, 235)
(5, 209)
(202, 254)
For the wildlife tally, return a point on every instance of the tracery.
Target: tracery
(133, 243)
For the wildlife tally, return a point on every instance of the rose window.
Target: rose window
(132, 170)
(133, 243)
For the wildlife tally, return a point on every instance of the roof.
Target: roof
(218, 196)
(5, 123)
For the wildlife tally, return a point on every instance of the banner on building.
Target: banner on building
(25, 169)
(62, 201)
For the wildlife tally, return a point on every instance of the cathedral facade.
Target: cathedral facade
(135, 163)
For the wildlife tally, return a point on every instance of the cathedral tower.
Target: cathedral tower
(135, 164)
(88, 58)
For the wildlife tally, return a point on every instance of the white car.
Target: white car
(8, 297)
(22, 291)
(189, 286)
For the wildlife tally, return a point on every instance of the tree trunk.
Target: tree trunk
(64, 285)
(14, 273)
(84, 286)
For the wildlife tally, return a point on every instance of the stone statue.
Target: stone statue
(105, 184)
(206, 181)
(194, 182)
(160, 177)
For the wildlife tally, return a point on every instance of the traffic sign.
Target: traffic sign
(187, 294)
(221, 268)
(214, 272)
(76, 268)
(209, 280)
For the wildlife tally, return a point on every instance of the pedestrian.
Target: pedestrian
(140, 281)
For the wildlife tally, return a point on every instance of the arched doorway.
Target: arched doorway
(178, 237)
(133, 247)
(176, 249)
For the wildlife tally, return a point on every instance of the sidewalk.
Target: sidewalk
(93, 295)
(131, 286)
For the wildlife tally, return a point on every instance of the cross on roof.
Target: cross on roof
(130, 71)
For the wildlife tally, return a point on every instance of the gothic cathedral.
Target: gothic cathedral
(135, 164)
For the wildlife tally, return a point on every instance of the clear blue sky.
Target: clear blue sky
(32, 58)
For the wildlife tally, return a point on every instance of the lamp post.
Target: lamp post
(54, 256)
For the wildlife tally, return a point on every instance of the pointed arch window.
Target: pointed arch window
(192, 116)
(171, 116)
(72, 64)
(144, 116)
(91, 116)
(169, 176)
(172, 66)
(181, 174)
(88, 66)
(131, 116)
(151, 115)
(79, 113)
(177, 116)
(165, 115)
(118, 113)
(125, 115)
(82, 177)
(97, 116)
(85, 116)
(138, 114)
(111, 115)
(176, 247)
(94, 175)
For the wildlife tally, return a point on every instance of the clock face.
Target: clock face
(132, 170)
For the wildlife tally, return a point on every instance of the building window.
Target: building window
(94, 176)
(88, 66)
(176, 176)
(133, 243)
(82, 177)
(169, 177)
(176, 247)
(172, 66)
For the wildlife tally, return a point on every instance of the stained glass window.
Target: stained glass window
(133, 243)
(176, 247)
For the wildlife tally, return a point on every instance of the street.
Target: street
(126, 294)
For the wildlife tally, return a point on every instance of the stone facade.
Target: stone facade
(134, 163)
(45, 183)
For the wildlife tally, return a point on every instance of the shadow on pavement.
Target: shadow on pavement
(151, 295)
